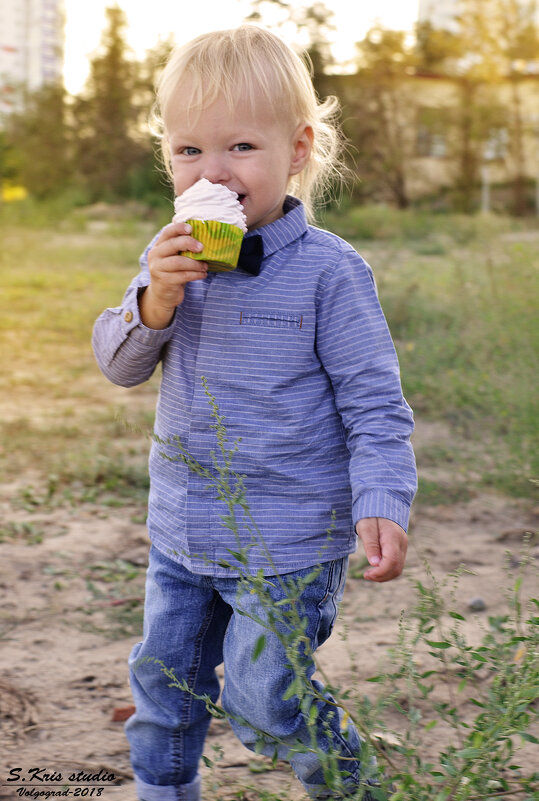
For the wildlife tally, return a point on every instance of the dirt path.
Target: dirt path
(70, 581)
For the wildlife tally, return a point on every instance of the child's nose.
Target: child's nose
(215, 170)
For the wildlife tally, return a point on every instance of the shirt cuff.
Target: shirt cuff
(377, 503)
(135, 328)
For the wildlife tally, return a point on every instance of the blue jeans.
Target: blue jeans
(194, 623)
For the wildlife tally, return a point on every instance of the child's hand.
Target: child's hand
(385, 544)
(169, 273)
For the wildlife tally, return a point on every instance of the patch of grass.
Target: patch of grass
(438, 453)
(431, 493)
(116, 588)
(94, 457)
(90, 478)
(116, 571)
(385, 223)
(26, 531)
(456, 290)
(467, 339)
(52, 287)
(121, 621)
(59, 417)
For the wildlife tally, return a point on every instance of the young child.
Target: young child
(300, 360)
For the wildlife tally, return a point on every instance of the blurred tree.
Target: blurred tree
(149, 180)
(437, 50)
(111, 142)
(37, 140)
(470, 122)
(313, 24)
(494, 44)
(150, 69)
(379, 104)
(518, 38)
(8, 161)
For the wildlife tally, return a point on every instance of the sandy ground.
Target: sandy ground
(66, 628)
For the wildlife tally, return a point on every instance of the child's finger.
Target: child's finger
(175, 246)
(187, 270)
(367, 530)
(388, 568)
(174, 229)
(176, 264)
(175, 237)
(192, 275)
(387, 555)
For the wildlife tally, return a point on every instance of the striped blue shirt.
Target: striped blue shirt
(303, 368)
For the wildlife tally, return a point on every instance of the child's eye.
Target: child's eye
(242, 146)
(189, 151)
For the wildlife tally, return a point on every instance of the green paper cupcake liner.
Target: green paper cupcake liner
(222, 244)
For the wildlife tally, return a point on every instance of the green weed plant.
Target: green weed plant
(498, 677)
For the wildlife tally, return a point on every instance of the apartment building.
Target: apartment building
(442, 13)
(31, 46)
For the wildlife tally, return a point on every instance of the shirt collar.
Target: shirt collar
(286, 229)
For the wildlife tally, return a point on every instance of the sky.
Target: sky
(150, 21)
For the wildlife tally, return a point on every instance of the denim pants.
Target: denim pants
(194, 623)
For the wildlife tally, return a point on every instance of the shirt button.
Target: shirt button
(128, 316)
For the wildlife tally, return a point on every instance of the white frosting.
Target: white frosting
(207, 201)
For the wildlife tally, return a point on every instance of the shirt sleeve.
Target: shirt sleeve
(126, 351)
(356, 350)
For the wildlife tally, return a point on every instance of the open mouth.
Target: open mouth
(241, 198)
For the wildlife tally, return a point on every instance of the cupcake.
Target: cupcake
(218, 222)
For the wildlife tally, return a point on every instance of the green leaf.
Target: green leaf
(259, 647)
(468, 753)
(440, 645)
(242, 559)
(294, 689)
(256, 766)
(311, 576)
(456, 616)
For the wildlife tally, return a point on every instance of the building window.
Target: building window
(431, 133)
(495, 146)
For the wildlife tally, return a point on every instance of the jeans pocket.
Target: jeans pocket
(328, 607)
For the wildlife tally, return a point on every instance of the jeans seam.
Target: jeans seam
(192, 676)
(329, 594)
(328, 584)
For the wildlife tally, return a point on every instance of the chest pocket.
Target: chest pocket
(271, 319)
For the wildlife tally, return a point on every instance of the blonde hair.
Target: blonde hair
(253, 63)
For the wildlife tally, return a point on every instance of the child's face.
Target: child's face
(250, 152)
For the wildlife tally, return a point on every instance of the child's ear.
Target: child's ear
(302, 145)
